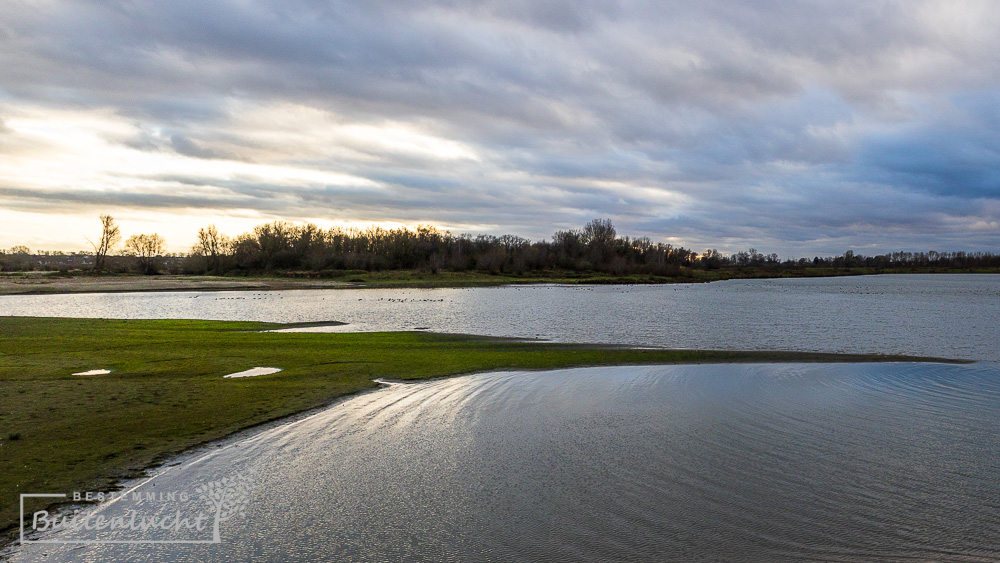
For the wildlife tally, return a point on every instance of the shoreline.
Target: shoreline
(61, 285)
(51, 283)
(9, 536)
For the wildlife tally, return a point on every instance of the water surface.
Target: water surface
(848, 462)
(712, 462)
(951, 316)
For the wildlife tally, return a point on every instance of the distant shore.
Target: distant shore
(38, 283)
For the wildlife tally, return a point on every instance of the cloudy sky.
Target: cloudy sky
(800, 128)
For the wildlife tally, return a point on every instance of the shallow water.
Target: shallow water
(711, 462)
(951, 316)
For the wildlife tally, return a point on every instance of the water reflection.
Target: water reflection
(713, 462)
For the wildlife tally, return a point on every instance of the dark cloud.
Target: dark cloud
(71, 200)
(953, 151)
(793, 126)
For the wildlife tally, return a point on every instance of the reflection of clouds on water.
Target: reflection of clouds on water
(759, 461)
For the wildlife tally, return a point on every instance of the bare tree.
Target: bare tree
(599, 235)
(599, 232)
(212, 245)
(146, 248)
(110, 236)
(17, 258)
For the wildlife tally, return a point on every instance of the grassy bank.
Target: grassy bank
(60, 432)
(84, 282)
(415, 278)
(412, 278)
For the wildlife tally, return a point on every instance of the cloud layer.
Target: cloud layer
(802, 128)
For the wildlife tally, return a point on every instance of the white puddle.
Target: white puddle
(94, 372)
(254, 371)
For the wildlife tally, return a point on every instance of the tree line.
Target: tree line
(281, 246)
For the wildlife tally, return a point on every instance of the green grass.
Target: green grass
(63, 433)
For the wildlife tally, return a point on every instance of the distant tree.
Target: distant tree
(274, 242)
(284, 246)
(110, 236)
(309, 246)
(712, 259)
(15, 259)
(599, 232)
(512, 243)
(568, 247)
(212, 246)
(246, 252)
(492, 260)
(599, 235)
(146, 249)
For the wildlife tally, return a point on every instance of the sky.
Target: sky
(802, 128)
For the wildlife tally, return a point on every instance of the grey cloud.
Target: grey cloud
(71, 200)
(764, 117)
(189, 147)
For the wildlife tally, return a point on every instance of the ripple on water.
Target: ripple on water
(723, 462)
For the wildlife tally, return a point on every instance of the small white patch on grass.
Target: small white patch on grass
(94, 372)
(254, 371)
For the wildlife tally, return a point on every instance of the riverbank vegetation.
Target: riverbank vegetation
(61, 432)
(25, 283)
(595, 252)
